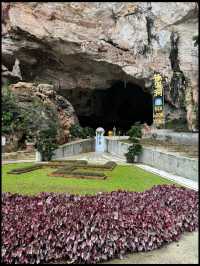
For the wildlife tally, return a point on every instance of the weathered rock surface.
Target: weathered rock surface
(11, 76)
(90, 45)
(28, 93)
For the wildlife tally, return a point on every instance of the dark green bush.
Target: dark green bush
(77, 131)
(134, 150)
(46, 143)
(107, 166)
(88, 132)
(13, 119)
(37, 121)
(135, 132)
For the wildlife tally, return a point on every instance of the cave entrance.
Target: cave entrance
(121, 106)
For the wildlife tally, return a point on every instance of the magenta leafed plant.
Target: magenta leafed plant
(90, 229)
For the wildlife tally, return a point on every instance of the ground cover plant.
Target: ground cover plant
(69, 169)
(73, 171)
(51, 164)
(129, 177)
(89, 229)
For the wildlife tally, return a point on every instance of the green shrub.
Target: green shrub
(77, 131)
(177, 124)
(88, 132)
(46, 143)
(134, 150)
(13, 119)
(38, 121)
(135, 132)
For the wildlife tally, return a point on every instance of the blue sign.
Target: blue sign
(158, 101)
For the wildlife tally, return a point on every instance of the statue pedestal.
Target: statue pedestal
(100, 140)
(38, 157)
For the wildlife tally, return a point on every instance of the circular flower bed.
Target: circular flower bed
(89, 229)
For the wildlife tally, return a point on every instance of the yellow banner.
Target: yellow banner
(158, 87)
(158, 100)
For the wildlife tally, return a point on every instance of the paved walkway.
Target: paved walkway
(178, 179)
(185, 251)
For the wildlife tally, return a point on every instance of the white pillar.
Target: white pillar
(100, 140)
(38, 156)
(3, 143)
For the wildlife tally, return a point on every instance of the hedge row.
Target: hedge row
(26, 169)
(68, 171)
(82, 162)
(107, 166)
(64, 164)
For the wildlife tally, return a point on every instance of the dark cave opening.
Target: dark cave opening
(121, 106)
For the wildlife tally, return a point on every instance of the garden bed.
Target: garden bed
(66, 168)
(53, 227)
(85, 172)
(105, 167)
(82, 175)
(52, 164)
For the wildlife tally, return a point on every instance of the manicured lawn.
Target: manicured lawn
(130, 178)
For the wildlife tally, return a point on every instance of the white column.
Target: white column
(38, 156)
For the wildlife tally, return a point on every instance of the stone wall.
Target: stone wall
(74, 148)
(178, 165)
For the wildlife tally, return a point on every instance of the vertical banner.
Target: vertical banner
(158, 100)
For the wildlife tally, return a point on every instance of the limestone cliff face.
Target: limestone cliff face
(27, 94)
(82, 46)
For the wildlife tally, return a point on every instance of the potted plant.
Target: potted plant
(134, 150)
(135, 134)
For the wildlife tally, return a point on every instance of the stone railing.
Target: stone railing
(163, 160)
(74, 148)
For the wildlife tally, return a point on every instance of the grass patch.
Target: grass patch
(130, 178)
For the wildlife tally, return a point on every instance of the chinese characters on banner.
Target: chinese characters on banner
(158, 100)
